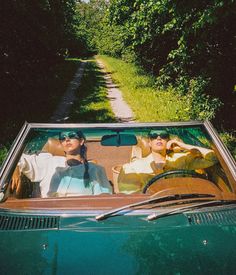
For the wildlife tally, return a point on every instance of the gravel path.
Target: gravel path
(62, 112)
(120, 108)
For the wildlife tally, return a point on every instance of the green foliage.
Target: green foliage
(3, 153)
(129, 55)
(183, 44)
(108, 42)
(91, 27)
(151, 104)
(37, 103)
(188, 46)
(230, 140)
(201, 106)
(138, 88)
(35, 38)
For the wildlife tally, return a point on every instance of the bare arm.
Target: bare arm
(198, 157)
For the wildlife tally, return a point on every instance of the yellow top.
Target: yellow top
(134, 175)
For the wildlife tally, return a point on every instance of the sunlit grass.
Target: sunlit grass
(146, 101)
(92, 104)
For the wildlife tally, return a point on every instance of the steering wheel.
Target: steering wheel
(181, 172)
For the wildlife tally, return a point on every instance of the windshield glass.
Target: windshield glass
(68, 162)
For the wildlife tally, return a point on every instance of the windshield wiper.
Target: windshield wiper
(187, 208)
(153, 200)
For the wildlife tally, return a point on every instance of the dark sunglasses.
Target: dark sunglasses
(161, 135)
(70, 135)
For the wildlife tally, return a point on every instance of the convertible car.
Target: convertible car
(175, 220)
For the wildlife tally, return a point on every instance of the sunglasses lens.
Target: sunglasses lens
(71, 135)
(153, 136)
(62, 137)
(164, 136)
(161, 135)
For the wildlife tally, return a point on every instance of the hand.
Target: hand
(16, 180)
(177, 146)
(174, 144)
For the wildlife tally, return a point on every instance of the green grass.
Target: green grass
(57, 85)
(91, 104)
(147, 102)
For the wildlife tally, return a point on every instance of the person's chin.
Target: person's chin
(159, 144)
(159, 148)
(72, 152)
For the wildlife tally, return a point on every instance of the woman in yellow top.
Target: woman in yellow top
(134, 175)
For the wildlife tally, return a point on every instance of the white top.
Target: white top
(58, 179)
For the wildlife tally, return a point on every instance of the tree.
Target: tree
(187, 45)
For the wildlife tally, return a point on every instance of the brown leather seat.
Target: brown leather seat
(53, 146)
(141, 149)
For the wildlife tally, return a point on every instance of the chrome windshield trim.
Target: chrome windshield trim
(91, 213)
(12, 154)
(224, 152)
(114, 125)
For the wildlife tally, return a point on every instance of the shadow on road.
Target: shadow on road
(91, 103)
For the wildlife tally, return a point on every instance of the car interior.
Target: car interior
(112, 151)
(101, 155)
(98, 154)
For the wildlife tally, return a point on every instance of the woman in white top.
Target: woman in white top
(69, 175)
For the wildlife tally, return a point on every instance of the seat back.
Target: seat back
(54, 147)
(96, 152)
(141, 149)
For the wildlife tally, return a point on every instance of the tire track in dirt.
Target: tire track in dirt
(120, 108)
(61, 114)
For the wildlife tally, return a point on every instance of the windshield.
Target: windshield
(68, 162)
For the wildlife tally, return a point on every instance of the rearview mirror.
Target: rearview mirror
(119, 140)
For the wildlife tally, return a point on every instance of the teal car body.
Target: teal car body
(178, 233)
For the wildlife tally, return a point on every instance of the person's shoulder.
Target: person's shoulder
(93, 165)
(174, 156)
(59, 157)
(38, 156)
(96, 169)
(137, 165)
(57, 160)
(141, 160)
(44, 155)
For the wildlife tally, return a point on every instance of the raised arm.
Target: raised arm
(196, 157)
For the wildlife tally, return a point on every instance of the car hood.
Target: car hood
(179, 244)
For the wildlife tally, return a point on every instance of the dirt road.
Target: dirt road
(120, 108)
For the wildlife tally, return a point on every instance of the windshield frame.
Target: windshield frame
(224, 155)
